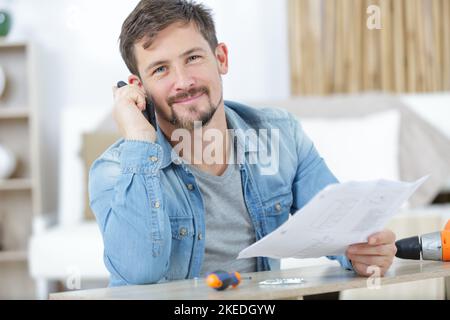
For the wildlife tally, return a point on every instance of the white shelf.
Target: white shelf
(21, 195)
(14, 113)
(11, 44)
(15, 184)
(13, 256)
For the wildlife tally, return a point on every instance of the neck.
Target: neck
(207, 148)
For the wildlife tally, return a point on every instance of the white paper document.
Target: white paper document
(338, 216)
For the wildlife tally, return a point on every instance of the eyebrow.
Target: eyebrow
(184, 54)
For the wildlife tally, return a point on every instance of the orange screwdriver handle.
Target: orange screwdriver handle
(220, 280)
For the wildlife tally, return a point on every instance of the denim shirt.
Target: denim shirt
(150, 211)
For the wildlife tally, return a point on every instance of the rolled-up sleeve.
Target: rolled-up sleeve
(126, 198)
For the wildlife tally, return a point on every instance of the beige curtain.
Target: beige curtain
(333, 51)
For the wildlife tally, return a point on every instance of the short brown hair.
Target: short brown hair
(151, 16)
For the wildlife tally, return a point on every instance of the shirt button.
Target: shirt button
(153, 158)
(190, 187)
(183, 231)
(200, 236)
(157, 204)
(278, 207)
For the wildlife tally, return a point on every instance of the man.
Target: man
(167, 213)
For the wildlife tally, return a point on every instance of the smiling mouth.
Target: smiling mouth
(190, 99)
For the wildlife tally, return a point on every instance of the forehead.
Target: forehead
(176, 38)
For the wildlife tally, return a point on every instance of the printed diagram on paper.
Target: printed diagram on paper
(338, 216)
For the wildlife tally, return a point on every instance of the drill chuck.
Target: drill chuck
(426, 247)
(409, 248)
(430, 246)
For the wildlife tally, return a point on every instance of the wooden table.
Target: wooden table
(317, 280)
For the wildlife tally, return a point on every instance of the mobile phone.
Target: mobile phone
(149, 112)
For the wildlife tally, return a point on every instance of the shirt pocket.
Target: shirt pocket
(182, 227)
(182, 230)
(276, 211)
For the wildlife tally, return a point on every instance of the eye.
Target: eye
(159, 70)
(193, 58)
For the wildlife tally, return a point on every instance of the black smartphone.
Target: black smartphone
(149, 112)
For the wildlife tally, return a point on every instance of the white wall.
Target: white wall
(78, 58)
(434, 108)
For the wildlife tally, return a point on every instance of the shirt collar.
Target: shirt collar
(234, 121)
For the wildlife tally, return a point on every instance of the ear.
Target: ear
(222, 58)
(133, 79)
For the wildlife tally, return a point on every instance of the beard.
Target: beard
(181, 119)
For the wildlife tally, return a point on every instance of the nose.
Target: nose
(183, 80)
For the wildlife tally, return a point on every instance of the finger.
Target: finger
(381, 261)
(361, 268)
(133, 93)
(142, 91)
(138, 85)
(140, 101)
(114, 90)
(135, 87)
(136, 95)
(365, 249)
(383, 237)
(137, 98)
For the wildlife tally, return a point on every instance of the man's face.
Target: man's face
(182, 75)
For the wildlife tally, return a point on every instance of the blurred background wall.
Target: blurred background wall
(78, 58)
(347, 46)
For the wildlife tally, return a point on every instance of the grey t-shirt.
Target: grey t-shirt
(228, 225)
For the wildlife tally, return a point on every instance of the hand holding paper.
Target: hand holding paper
(338, 216)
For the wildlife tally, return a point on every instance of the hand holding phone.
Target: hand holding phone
(133, 114)
(149, 112)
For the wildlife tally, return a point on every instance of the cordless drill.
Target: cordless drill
(430, 246)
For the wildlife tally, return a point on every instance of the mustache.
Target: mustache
(187, 94)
